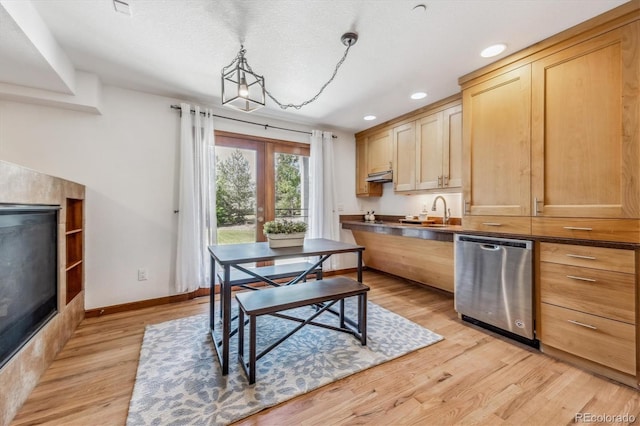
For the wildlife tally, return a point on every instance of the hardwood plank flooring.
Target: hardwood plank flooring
(472, 377)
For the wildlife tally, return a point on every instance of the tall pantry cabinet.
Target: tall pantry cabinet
(496, 153)
(585, 140)
(552, 141)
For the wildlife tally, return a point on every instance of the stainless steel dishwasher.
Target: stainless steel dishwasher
(494, 284)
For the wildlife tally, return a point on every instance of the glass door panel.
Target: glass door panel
(236, 195)
(258, 180)
(291, 195)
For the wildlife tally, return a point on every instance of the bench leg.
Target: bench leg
(362, 317)
(341, 313)
(252, 349)
(240, 335)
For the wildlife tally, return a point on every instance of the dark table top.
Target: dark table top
(228, 254)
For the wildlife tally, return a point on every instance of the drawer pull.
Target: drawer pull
(581, 324)
(579, 256)
(577, 228)
(573, 277)
(491, 224)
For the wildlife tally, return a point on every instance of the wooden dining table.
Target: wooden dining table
(228, 256)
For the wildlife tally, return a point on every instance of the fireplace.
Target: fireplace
(28, 273)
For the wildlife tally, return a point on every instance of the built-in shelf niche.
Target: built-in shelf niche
(74, 247)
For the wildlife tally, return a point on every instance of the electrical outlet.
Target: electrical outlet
(143, 274)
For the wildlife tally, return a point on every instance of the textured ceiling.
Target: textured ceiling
(177, 48)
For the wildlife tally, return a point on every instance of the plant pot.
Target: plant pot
(286, 240)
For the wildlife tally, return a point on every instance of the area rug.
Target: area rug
(179, 380)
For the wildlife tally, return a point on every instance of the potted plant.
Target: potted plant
(285, 233)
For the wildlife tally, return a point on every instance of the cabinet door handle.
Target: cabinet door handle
(439, 181)
(581, 324)
(573, 277)
(467, 206)
(445, 181)
(491, 224)
(536, 203)
(577, 228)
(579, 256)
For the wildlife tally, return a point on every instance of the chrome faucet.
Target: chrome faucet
(447, 212)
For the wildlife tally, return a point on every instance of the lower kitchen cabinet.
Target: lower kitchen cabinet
(601, 340)
(588, 307)
(425, 261)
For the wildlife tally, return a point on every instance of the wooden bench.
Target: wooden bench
(272, 301)
(272, 273)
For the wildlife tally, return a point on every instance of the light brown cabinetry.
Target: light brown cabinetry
(404, 157)
(496, 153)
(427, 153)
(74, 242)
(439, 150)
(423, 148)
(425, 261)
(379, 151)
(557, 138)
(586, 139)
(588, 304)
(364, 188)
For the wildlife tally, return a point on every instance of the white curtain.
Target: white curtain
(197, 220)
(323, 216)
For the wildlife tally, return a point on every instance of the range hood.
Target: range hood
(386, 176)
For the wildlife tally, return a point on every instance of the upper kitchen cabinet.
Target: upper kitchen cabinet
(585, 138)
(427, 153)
(439, 150)
(551, 135)
(496, 153)
(404, 157)
(364, 188)
(423, 148)
(379, 151)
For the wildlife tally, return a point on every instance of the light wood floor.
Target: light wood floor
(472, 377)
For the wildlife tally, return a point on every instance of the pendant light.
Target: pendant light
(245, 90)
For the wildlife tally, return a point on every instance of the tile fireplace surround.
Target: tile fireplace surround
(18, 377)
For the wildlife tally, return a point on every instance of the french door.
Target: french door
(258, 180)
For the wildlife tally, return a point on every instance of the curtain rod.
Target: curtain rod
(266, 126)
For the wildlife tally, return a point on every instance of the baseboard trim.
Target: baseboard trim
(132, 306)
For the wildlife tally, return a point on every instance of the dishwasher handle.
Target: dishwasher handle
(490, 247)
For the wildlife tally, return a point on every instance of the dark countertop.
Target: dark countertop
(437, 233)
(394, 227)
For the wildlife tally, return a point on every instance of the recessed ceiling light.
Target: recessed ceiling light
(370, 117)
(493, 50)
(418, 95)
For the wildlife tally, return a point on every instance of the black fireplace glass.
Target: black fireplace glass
(28, 273)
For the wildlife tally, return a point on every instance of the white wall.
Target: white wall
(127, 158)
(397, 204)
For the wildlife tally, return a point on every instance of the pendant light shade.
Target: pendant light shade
(241, 88)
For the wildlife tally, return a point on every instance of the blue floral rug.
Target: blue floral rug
(179, 381)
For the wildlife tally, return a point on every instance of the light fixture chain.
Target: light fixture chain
(298, 106)
(238, 57)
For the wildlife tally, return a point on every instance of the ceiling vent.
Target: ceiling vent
(122, 7)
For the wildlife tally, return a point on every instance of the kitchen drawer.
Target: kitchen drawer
(589, 257)
(607, 342)
(498, 224)
(603, 293)
(623, 230)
